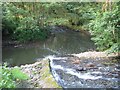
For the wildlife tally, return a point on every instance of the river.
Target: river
(64, 41)
(89, 73)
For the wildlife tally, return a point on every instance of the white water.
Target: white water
(70, 71)
(68, 77)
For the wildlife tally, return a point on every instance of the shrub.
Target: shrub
(29, 30)
(20, 24)
(105, 30)
(10, 75)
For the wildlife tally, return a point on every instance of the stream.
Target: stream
(89, 73)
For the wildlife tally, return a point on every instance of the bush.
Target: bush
(9, 76)
(9, 22)
(20, 24)
(105, 30)
(29, 30)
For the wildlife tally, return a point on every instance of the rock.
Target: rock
(80, 69)
(90, 65)
(39, 72)
(76, 61)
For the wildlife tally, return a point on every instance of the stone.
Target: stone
(90, 65)
(80, 69)
(39, 72)
(76, 61)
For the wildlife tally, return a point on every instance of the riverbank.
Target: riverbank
(95, 54)
(7, 41)
(41, 76)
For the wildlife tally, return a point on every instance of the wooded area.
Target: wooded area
(30, 21)
(25, 21)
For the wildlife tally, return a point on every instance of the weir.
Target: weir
(62, 51)
(67, 75)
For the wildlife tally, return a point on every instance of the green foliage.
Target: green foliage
(114, 48)
(27, 21)
(31, 17)
(105, 28)
(21, 24)
(10, 75)
(18, 74)
(8, 20)
(29, 30)
(6, 80)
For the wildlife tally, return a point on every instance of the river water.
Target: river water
(58, 49)
(63, 42)
(104, 73)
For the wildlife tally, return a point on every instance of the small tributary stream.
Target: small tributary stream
(58, 49)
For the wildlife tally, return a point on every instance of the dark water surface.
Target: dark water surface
(64, 42)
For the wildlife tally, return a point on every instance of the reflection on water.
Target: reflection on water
(66, 42)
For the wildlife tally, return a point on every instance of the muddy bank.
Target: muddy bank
(40, 76)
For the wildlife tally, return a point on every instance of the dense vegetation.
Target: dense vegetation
(105, 28)
(25, 21)
(11, 76)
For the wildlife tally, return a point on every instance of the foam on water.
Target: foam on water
(83, 75)
(70, 71)
(60, 73)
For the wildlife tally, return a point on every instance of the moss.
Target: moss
(33, 72)
(43, 75)
(47, 79)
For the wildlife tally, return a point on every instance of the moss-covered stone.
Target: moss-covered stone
(40, 76)
(47, 79)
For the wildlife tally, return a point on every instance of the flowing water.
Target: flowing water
(70, 75)
(56, 49)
